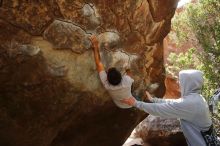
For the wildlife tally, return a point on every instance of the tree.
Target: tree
(199, 24)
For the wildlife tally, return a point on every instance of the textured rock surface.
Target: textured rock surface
(156, 131)
(67, 35)
(50, 94)
(172, 88)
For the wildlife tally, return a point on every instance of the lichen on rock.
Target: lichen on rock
(109, 40)
(67, 35)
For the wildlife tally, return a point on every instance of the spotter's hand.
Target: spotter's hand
(130, 101)
(148, 96)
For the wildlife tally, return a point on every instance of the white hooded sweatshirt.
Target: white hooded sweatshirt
(191, 108)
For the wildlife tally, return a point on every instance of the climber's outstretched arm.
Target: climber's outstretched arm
(98, 62)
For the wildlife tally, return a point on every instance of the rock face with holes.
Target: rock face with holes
(50, 93)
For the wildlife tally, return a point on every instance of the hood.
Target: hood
(191, 81)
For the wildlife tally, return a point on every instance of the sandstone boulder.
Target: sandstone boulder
(50, 94)
(156, 131)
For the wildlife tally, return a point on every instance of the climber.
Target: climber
(191, 109)
(118, 85)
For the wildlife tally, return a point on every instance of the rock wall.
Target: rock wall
(156, 131)
(172, 88)
(50, 94)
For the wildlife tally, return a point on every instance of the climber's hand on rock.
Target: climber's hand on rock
(130, 101)
(94, 41)
(128, 72)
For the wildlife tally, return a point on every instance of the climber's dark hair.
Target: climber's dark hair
(114, 76)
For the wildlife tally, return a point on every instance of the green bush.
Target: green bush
(199, 25)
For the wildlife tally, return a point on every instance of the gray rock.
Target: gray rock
(109, 40)
(29, 50)
(87, 10)
(92, 21)
(66, 35)
(57, 71)
(157, 131)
